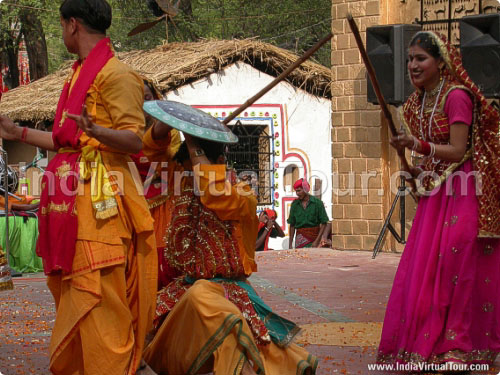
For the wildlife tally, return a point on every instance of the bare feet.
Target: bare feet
(325, 242)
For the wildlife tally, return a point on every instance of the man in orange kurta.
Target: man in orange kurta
(105, 298)
(206, 320)
(154, 186)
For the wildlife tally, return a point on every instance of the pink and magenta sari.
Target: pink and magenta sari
(445, 302)
(444, 305)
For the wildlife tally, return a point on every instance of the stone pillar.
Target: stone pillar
(363, 161)
(356, 134)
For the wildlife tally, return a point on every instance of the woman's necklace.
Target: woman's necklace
(433, 161)
(434, 90)
(433, 110)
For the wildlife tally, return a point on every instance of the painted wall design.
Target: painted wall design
(300, 125)
(438, 12)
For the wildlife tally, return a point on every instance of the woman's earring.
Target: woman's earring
(441, 73)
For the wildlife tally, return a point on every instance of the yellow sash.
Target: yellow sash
(101, 188)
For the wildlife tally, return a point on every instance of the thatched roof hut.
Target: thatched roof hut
(171, 66)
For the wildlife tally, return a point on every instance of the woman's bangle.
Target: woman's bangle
(415, 144)
(425, 148)
(24, 134)
(433, 150)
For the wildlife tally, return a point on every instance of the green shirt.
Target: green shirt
(313, 215)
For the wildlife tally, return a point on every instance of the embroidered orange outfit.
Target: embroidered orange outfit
(105, 303)
(158, 202)
(206, 317)
(5, 277)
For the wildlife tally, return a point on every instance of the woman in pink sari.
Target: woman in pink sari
(444, 305)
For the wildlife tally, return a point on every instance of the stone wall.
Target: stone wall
(356, 134)
(364, 165)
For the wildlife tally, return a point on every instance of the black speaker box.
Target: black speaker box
(387, 49)
(480, 49)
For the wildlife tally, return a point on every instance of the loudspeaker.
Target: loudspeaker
(480, 49)
(387, 49)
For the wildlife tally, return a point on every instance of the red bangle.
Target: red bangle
(425, 148)
(24, 134)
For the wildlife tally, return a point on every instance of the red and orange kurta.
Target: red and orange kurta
(105, 303)
(158, 202)
(205, 319)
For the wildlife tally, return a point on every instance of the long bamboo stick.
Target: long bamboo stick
(278, 79)
(378, 93)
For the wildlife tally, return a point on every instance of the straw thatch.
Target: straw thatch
(171, 66)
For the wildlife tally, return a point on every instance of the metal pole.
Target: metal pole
(422, 12)
(402, 209)
(387, 225)
(6, 197)
(449, 20)
(13, 272)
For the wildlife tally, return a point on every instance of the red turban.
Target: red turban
(271, 214)
(303, 184)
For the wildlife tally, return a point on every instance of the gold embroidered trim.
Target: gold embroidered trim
(447, 93)
(473, 356)
(63, 170)
(198, 243)
(63, 118)
(421, 190)
(155, 202)
(105, 209)
(486, 234)
(52, 207)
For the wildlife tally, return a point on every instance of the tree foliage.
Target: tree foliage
(34, 39)
(292, 24)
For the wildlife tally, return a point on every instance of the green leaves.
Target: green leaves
(290, 24)
(295, 25)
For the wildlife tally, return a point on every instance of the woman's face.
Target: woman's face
(423, 68)
(263, 218)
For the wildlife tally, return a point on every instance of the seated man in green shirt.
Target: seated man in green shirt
(307, 216)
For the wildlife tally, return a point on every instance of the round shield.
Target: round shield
(189, 120)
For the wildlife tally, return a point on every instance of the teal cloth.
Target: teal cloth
(23, 233)
(281, 330)
(313, 215)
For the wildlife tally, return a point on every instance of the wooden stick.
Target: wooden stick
(378, 93)
(277, 80)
